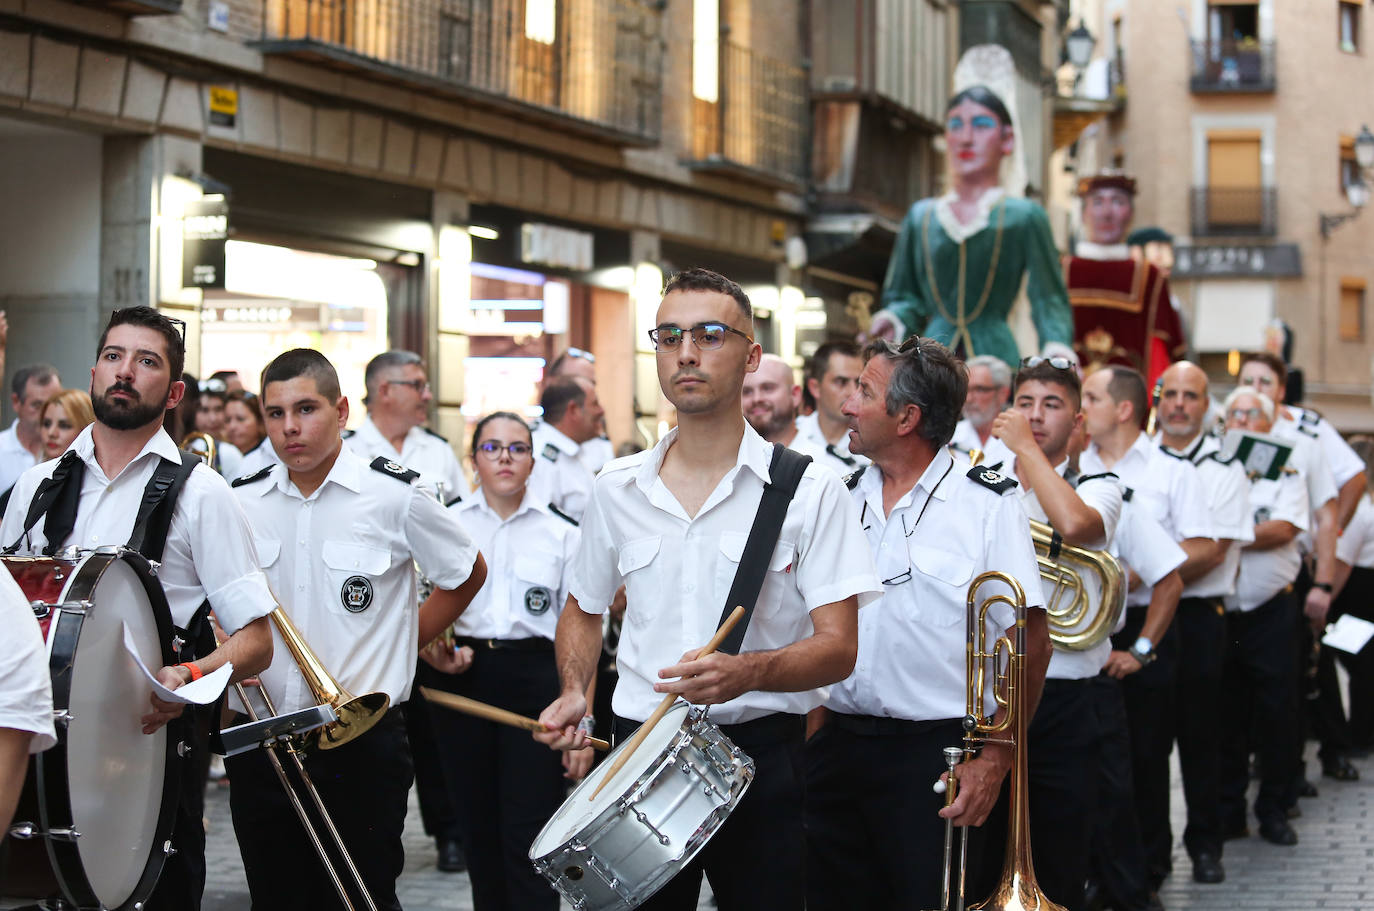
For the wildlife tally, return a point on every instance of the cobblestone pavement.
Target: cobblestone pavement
(1331, 867)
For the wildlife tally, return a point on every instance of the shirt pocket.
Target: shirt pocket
(944, 573)
(268, 550)
(355, 572)
(634, 561)
(775, 581)
(537, 582)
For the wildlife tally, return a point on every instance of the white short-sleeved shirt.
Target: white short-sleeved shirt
(1102, 494)
(911, 641)
(25, 685)
(966, 436)
(14, 458)
(678, 569)
(528, 558)
(422, 450)
(559, 477)
(1355, 547)
(1265, 573)
(342, 561)
(835, 456)
(595, 453)
(209, 551)
(1228, 498)
(258, 458)
(1343, 461)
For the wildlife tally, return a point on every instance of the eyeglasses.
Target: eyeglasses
(1058, 363)
(584, 355)
(418, 385)
(706, 336)
(1237, 414)
(213, 385)
(492, 450)
(984, 390)
(177, 324)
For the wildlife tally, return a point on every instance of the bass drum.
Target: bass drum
(95, 817)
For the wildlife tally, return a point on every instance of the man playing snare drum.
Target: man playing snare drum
(670, 525)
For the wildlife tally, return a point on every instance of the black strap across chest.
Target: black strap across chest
(785, 471)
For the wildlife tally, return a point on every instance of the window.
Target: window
(1234, 179)
(1350, 26)
(1352, 310)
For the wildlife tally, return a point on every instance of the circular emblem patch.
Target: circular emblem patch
(1262, 514)
(990, 476)
(538, 600)
(356, 594)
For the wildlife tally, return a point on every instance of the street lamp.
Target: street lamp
(1357, 191)
(1080, 42)
(1364, 149)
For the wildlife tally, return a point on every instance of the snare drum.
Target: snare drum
(648, 823)
(93, 824)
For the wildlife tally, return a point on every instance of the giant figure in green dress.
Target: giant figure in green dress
(959, 261)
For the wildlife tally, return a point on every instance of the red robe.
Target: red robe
(1123, 314)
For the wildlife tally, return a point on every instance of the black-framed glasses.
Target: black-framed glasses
(584, 355)
(1057, 362)
(178, 324)
(706, 336)
(492, 450)
(418, 385)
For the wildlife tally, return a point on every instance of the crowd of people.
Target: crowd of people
(558, 583)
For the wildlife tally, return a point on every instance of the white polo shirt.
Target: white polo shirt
(559, 477)
(1355, 547)
(342, 562)
(14, 458)
(678, 569)
(209, 551)
(940, 535)
(1228, 499)
(1265, 573)
(835, 456)
(1101, 494)
(528, 557)
(25, 685)
(422, 450)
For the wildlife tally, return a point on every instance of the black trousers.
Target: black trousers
(1258, 695)
(1118, 855)
(874, 840)
(1062, 786)
(181, 884)
(1320, 712)
(755, 860)
(1201, 627)
(438, 811)
(506, 784)
(364, 784)
(1149, 696)
(1357, 599)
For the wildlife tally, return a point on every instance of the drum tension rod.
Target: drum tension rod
(27, 830)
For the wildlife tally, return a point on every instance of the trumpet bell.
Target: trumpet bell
(357, 715)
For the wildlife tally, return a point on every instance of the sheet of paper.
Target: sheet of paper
(198, 692)
(1349, 634)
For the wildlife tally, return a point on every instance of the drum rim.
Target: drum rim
(54, 805)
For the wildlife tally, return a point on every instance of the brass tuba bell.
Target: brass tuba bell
(1085, 590)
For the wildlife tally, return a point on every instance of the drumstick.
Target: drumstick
(638, 737)
(492, 713)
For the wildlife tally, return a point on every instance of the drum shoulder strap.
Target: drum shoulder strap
(57, 498)
(785, 471)
(154, 518)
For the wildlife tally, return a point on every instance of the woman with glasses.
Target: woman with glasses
(505, 783)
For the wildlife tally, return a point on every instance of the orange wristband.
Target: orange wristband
(194, 669)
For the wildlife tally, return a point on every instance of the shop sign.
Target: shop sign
(1238, 261)
(204, 228)
(261, 313)
(224, 106)
(561, 248)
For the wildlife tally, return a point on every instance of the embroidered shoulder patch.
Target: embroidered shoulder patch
(549, 452)
(990, 479)
(394, 469)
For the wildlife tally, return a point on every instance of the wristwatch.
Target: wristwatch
(1324, 586)
(1143, 651)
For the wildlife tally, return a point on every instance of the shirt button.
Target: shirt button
(689, 588)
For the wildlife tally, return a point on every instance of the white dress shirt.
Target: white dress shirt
(837, 457)
(911, 642)
(258, 458)
(1265, 573)
(966, 437)
(1101, 494)
(559, 477)
(342, 562)
(422, 450)
(209, 551)
(678, 569)
(1143, 545)
(14, 458)
(1343, 460)
(1228, 499)
(1355, 547)
(595, 453)
(25, 685)
(528, 559)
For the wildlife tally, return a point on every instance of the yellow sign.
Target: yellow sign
(224, 106)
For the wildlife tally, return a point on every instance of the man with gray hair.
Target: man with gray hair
(989, 387)
(397, 400)
(20, 445)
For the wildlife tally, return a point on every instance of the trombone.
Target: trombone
(1005, 660)
(338, 718)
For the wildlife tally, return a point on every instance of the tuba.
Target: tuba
(203, 445)
(1085, 590)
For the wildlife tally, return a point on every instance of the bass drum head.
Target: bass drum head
(115, 773)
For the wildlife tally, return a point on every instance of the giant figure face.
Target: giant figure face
(976, 141)
(1107, 213)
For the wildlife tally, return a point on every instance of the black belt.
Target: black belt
(877, 726)
(532, 644)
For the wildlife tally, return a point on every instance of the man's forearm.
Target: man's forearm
(577, 646)
(1163, 603)
(1327, 532)
(250, 649)
(1349, 498)
(826, 656)
(444, 606)
(1204, 555)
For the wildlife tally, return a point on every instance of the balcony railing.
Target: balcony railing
(136, 7)
(1233, 66)
(1235, 212)
(759, 121)
(593, 63)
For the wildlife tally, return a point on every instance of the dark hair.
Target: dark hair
(558, 394)
(503, 415)
(250, 401)
(1045, 372)
(981, 94)
(307, 362)
(1270, 360)
(819, 362)
(148, 318)
(697, 279)
(223, 375)
(37, 373)
(1127, 385)
(926, 374)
